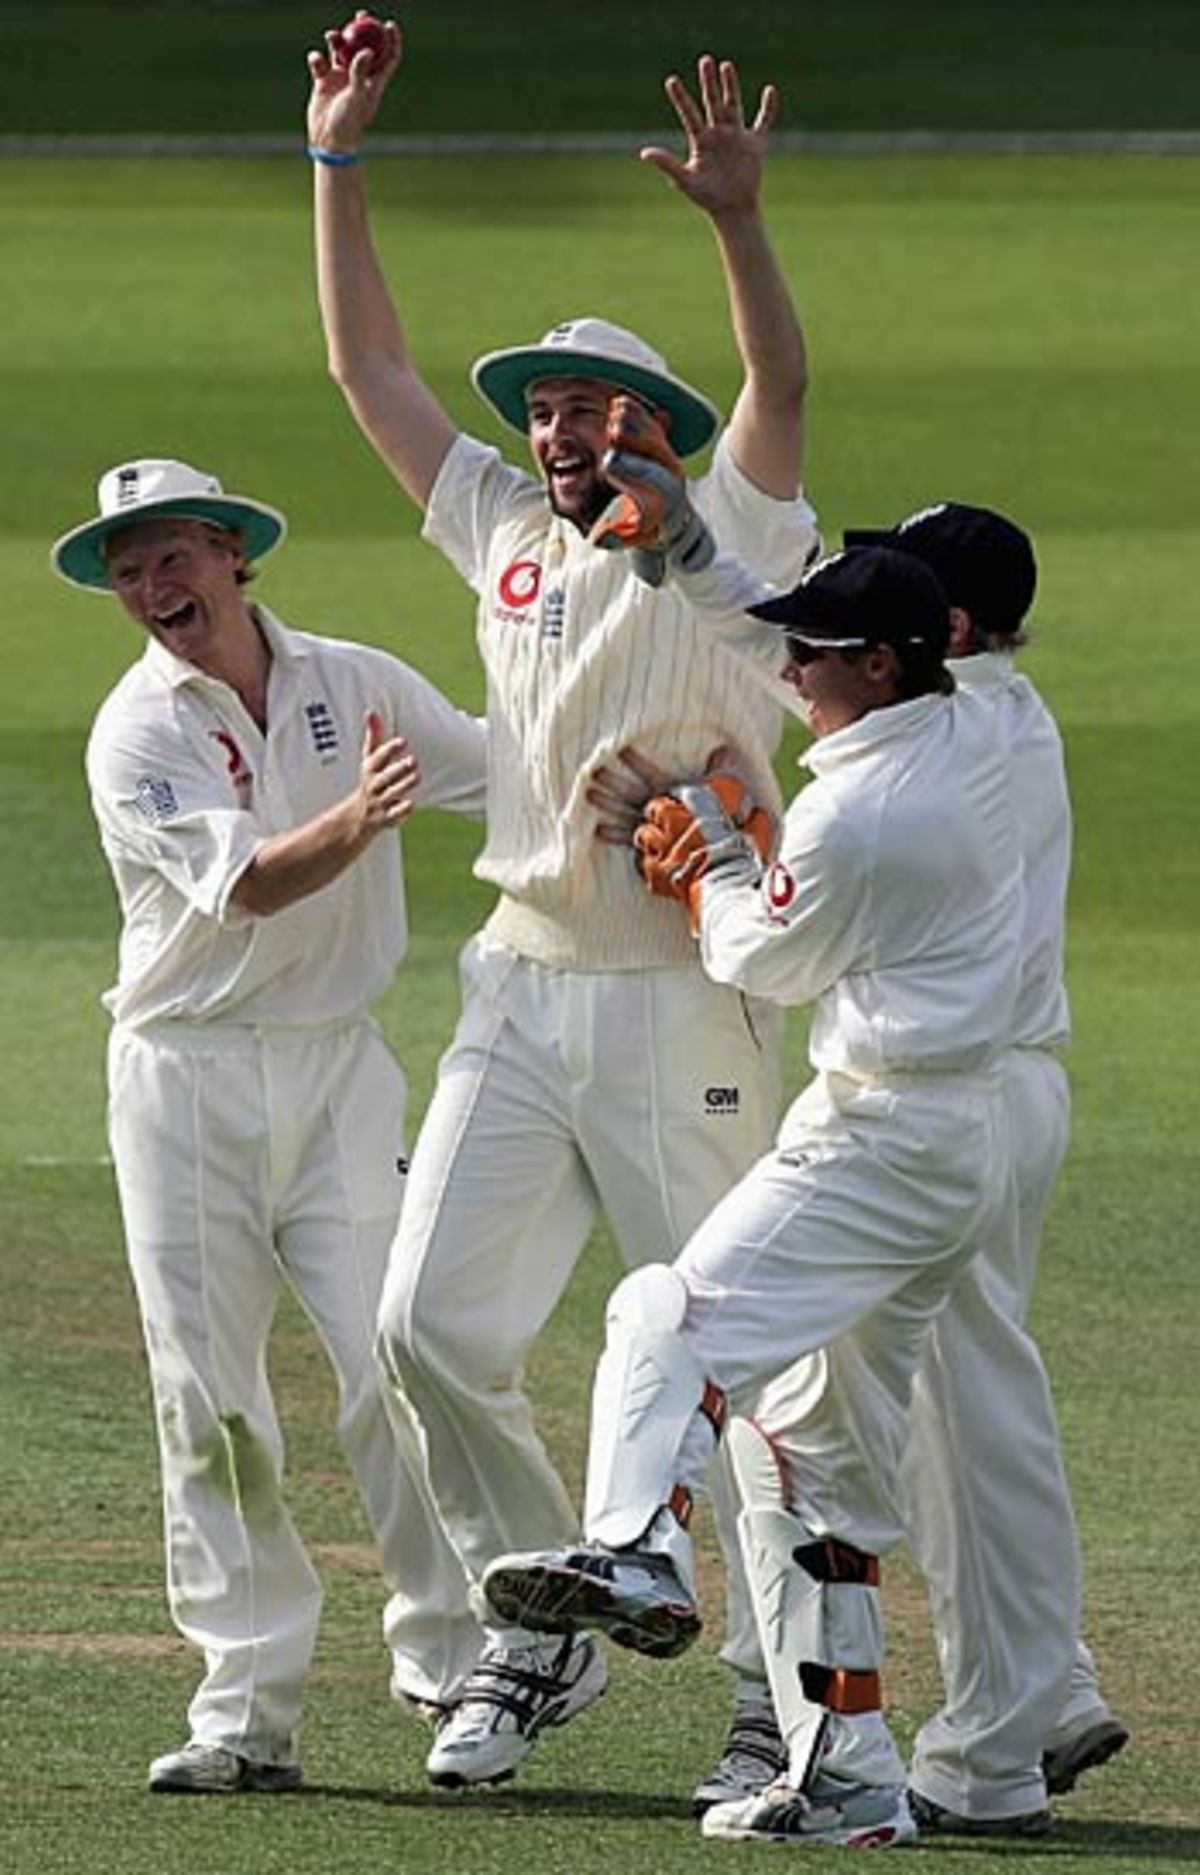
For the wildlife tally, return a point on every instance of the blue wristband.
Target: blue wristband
(332, 159)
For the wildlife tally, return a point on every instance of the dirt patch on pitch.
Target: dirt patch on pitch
(358, 1559)
(97, 1646)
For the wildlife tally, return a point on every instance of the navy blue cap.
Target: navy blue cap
(868, 595)
(984, 561)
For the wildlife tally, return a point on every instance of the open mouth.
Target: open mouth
(568, 471)
(182, 615)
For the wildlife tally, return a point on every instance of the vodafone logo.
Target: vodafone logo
(779, 890)
(233, 755)
(519, 585)
(239, 771)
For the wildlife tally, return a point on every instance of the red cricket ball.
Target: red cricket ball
(364, 33)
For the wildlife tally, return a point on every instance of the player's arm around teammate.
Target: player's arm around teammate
(893, 904)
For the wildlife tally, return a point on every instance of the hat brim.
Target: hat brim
(502, 379)
(787, 610)
(79, 556)
(795, 618)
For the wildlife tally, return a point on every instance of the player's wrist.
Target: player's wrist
(333, 156)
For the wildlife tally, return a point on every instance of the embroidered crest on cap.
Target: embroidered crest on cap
(128, 482)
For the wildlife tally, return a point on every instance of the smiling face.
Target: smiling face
(568, 419)
(179, 579)
(838, 687)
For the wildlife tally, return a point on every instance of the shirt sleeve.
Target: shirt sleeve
(165, 804)
(793, 936)
(764, 546)
(777, 539)
(474, 492)
(449, 744)
(721, 595)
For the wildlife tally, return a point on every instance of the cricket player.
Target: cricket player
(987, 1506)
(595, 1063)
(249, 781)
(894, 905)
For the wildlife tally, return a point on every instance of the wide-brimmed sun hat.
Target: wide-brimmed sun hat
(149, 490)
(593, 348)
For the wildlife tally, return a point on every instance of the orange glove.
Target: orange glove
(651, 515)
(702, 827)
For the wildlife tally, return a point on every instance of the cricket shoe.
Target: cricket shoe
(753, 1756)
(1090, 1742)
(853, 1816)
(933, 1819)
(509, 1699)
(633, 1596)
(211, 1771)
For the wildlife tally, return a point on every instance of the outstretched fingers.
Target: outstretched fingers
(388, 777)
(719, 89)
(689, 113)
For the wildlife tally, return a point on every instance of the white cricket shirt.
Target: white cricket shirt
(896, 901)
(1037, 773)
(582, 659)
(185, 787)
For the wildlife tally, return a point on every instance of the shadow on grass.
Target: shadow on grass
(1096, 1839)
(609, 1804)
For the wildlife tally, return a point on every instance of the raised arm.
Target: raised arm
(368, 354)
(722, 174)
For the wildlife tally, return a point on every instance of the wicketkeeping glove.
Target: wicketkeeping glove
(652, 516)
(699, 829)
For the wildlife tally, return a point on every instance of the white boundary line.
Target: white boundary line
(612, 143)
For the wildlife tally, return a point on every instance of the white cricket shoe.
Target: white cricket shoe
(854, 1816)
(212, 1771)
(633, 1596)
(753, 1756)
(1090, 1740)
(507, 1702)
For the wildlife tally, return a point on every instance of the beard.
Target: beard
(585, 507)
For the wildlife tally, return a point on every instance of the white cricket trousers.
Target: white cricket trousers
(645, 1092)
(244, 1157)
(987, 1506)
(841, 1245)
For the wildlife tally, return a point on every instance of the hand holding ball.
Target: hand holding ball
(364, 33)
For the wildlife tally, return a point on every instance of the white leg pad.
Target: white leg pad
(818, 1620)
(652, 1410)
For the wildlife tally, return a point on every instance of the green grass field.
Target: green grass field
(1016, 331)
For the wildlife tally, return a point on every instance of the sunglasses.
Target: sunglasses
(802, 652)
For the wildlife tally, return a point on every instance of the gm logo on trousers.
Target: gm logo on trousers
(721, 1100)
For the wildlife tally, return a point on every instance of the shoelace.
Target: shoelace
(497, 1683)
